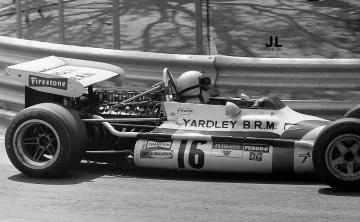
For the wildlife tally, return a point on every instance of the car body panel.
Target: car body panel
(212, 119)
(255, 140)
(223, 156)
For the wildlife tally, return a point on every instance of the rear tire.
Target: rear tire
(46, 140)
(336, 154)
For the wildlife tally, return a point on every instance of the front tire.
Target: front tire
(353, 112)
(45, 140)
(336, 154)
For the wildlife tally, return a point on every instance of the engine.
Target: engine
(110, 103)
(116, 103)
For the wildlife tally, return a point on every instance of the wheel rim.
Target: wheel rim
(343, 157)
(36, 144)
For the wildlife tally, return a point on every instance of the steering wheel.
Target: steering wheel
(169, 81)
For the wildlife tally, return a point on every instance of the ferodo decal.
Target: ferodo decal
(231, 150)
(184, 111)
(57, 83)
(230, 124)
(257, 148)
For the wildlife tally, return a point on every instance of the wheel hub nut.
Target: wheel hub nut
(44, 141)
(349, 156)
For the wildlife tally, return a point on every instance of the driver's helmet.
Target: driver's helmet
(193, 84)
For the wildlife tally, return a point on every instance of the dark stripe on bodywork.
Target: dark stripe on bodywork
(299, 130)
(283, 160)
(159, 136)
(166, 133)
(258, 134)
(281, 143)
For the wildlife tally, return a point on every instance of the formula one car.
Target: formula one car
(66, 116)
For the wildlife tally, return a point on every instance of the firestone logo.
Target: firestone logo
(58, 83)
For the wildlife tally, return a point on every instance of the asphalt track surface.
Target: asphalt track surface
(111, 192)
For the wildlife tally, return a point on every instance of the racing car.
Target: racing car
(66, 115)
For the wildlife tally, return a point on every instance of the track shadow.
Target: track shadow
(333, 192)
(198, 176)
(91, 170)
(85, 172)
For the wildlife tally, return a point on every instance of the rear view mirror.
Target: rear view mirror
(231, 109)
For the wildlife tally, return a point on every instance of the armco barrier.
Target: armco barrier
(289, 74)
(229, 72)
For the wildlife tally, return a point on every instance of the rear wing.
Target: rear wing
(62, 76)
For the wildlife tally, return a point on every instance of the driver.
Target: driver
(193, 87)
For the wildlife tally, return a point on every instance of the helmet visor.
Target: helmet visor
(204, 82)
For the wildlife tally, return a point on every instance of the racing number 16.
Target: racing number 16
(193, 154)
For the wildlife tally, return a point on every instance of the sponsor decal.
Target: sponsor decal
(158, 144)
(230, 124)
(257, 148)
(258, 125)
(255, 156)
(227, 150)
(63, 71)
(74, 73)
(305, 156)
(210, 123)
(157, 154)
(227, 146)
(236, 150)
(184, 111)
(57, 83)
(81, 76)
(157, 149)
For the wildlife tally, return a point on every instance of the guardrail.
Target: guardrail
(287, 74)
(228, 72)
